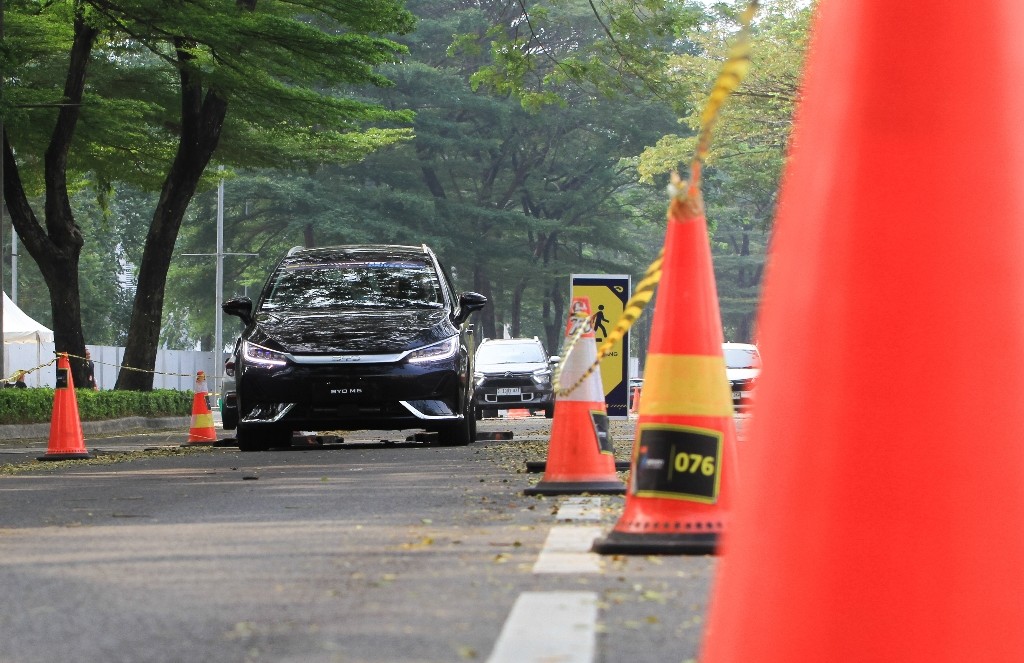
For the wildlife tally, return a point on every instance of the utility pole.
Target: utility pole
(3, 370)
(218, 313)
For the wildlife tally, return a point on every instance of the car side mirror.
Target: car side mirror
(468, 303)
(240, 307)
(554, 359)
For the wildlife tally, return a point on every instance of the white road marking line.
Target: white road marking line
(567, 550)
(549, 626)
(580, 508)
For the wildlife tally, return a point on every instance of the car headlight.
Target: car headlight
(543, 376)
(446, 349)
(261, 356)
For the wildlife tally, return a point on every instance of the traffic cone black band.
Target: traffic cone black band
(69, 456)
(535, 466)
(627, 543)
(576, 488)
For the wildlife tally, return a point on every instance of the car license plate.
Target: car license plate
(509, 391)
(334, 391)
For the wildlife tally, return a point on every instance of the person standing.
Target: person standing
(90, 372)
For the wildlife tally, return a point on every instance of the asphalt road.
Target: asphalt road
(378, 549)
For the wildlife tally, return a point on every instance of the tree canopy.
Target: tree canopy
(524, 141)
(143, 91)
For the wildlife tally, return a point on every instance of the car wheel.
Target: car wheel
(252, 438)
(460, 433)
(261, 438)
(549, 412)
(479, 414)
(489, 413)
(280, 438)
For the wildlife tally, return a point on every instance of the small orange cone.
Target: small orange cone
(684, 455)
(66, 439)
(879, 522)
(201, 431)
(580, 454)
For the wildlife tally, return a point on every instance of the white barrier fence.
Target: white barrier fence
(175, 369)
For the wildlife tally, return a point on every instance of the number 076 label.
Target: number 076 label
(678, 462)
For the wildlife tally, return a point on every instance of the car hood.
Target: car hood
(351, 331)
(497, 369)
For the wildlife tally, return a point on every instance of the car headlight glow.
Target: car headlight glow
(261, 356)
(446, 349)
(542, 376)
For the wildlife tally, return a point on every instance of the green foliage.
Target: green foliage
(513, 201)
(748, 150)
(35, 405)
(544, 48)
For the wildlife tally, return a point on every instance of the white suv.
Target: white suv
(513, 373)
(742, 366)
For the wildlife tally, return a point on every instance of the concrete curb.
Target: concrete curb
(11, 432)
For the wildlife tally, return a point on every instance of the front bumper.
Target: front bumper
(352, 396)
(503, 393)
(742, 393)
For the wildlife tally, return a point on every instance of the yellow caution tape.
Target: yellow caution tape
(27, 371)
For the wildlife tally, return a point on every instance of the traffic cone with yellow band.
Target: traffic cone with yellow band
(683, 465)
(580, 454)
(884, 470)
(66, 439)
(201, 430)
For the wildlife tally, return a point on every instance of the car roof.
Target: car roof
(739, 346)
(357, 251)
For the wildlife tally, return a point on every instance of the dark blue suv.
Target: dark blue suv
(355, 337)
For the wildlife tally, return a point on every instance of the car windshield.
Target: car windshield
(354, 284)
(742, 358)
(511, 353)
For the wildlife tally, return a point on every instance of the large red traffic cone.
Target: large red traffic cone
(684, 454)
(580, 454)
(878, 517)
(201, 430)
(66, 439)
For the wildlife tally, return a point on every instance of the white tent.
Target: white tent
(20, 328)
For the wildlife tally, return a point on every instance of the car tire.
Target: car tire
(251, 438)
(262, 438)
(489, 413)
(461, 433)
(549, 412)
(478, 413)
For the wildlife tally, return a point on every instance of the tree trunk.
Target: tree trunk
(202, 120)
(482, 284)
(554, 309)
(517, 308)
(56, 249)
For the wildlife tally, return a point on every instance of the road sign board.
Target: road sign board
(608, 294)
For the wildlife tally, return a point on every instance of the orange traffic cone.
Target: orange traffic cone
(684, 453)
(580, 454)
(66, 439)
(878, 516)
(201, 431)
